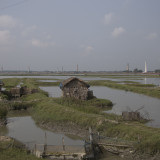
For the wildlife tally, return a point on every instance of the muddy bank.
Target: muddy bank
(66, 128)
(3, 122)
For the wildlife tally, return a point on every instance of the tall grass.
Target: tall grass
(11, 82)
(14, 152)
(3, 111)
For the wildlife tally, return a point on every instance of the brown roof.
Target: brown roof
(65, 82)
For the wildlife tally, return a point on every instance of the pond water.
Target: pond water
(52, 91)
(128, 101)
(123, 101)
(155, 81)
(26, 131)
(47, 80)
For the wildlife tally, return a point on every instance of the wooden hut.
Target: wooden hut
(131, 116)
(18, 92)
(76, 88)
(15, 92)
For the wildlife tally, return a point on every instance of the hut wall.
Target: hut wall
(15, 92)
(90, 94)
(78, 93)
(25, 91)
(76, 89)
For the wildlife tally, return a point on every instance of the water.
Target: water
(26, 131)
(128, 101)
(123, 101)
(47, 80)
(52, 91)
(155, 81)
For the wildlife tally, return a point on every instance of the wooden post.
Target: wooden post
(90, 135)
(98, 136)
(45, 144)
(63, 144)
(139, 141)
(63, 147)
(35, 149)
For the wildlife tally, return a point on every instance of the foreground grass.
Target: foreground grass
(146, 89)
(14, 153)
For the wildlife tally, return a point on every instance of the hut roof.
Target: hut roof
(65, 82)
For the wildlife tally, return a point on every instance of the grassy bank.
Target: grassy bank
(3, 114)
(54, 110)
(10, 150)
(146, 89)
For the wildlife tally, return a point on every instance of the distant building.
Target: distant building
(127, 68)
(76, 88)
(145, 70)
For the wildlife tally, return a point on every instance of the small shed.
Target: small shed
(18, 92)
(15, 92)
(131, 116)
(76, 88)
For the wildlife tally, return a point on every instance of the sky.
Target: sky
(98, 35)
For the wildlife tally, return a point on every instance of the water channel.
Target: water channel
(123, 101)
(155, 81)
(26, 131)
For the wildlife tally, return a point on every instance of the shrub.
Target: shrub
(3, 111)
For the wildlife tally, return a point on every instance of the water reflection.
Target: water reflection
(52, 91)
(25, 130)
(128, 101)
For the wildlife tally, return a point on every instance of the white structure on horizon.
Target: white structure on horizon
(127, 67)
(145, 70)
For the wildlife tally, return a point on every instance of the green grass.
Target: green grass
(11, 82)
(38, 83)
(14, 152)
(3, 110)
(94, 105)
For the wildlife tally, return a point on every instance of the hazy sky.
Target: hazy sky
(95, 34)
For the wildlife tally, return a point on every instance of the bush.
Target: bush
(3, 111)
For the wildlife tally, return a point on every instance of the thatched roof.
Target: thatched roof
(65, 82)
